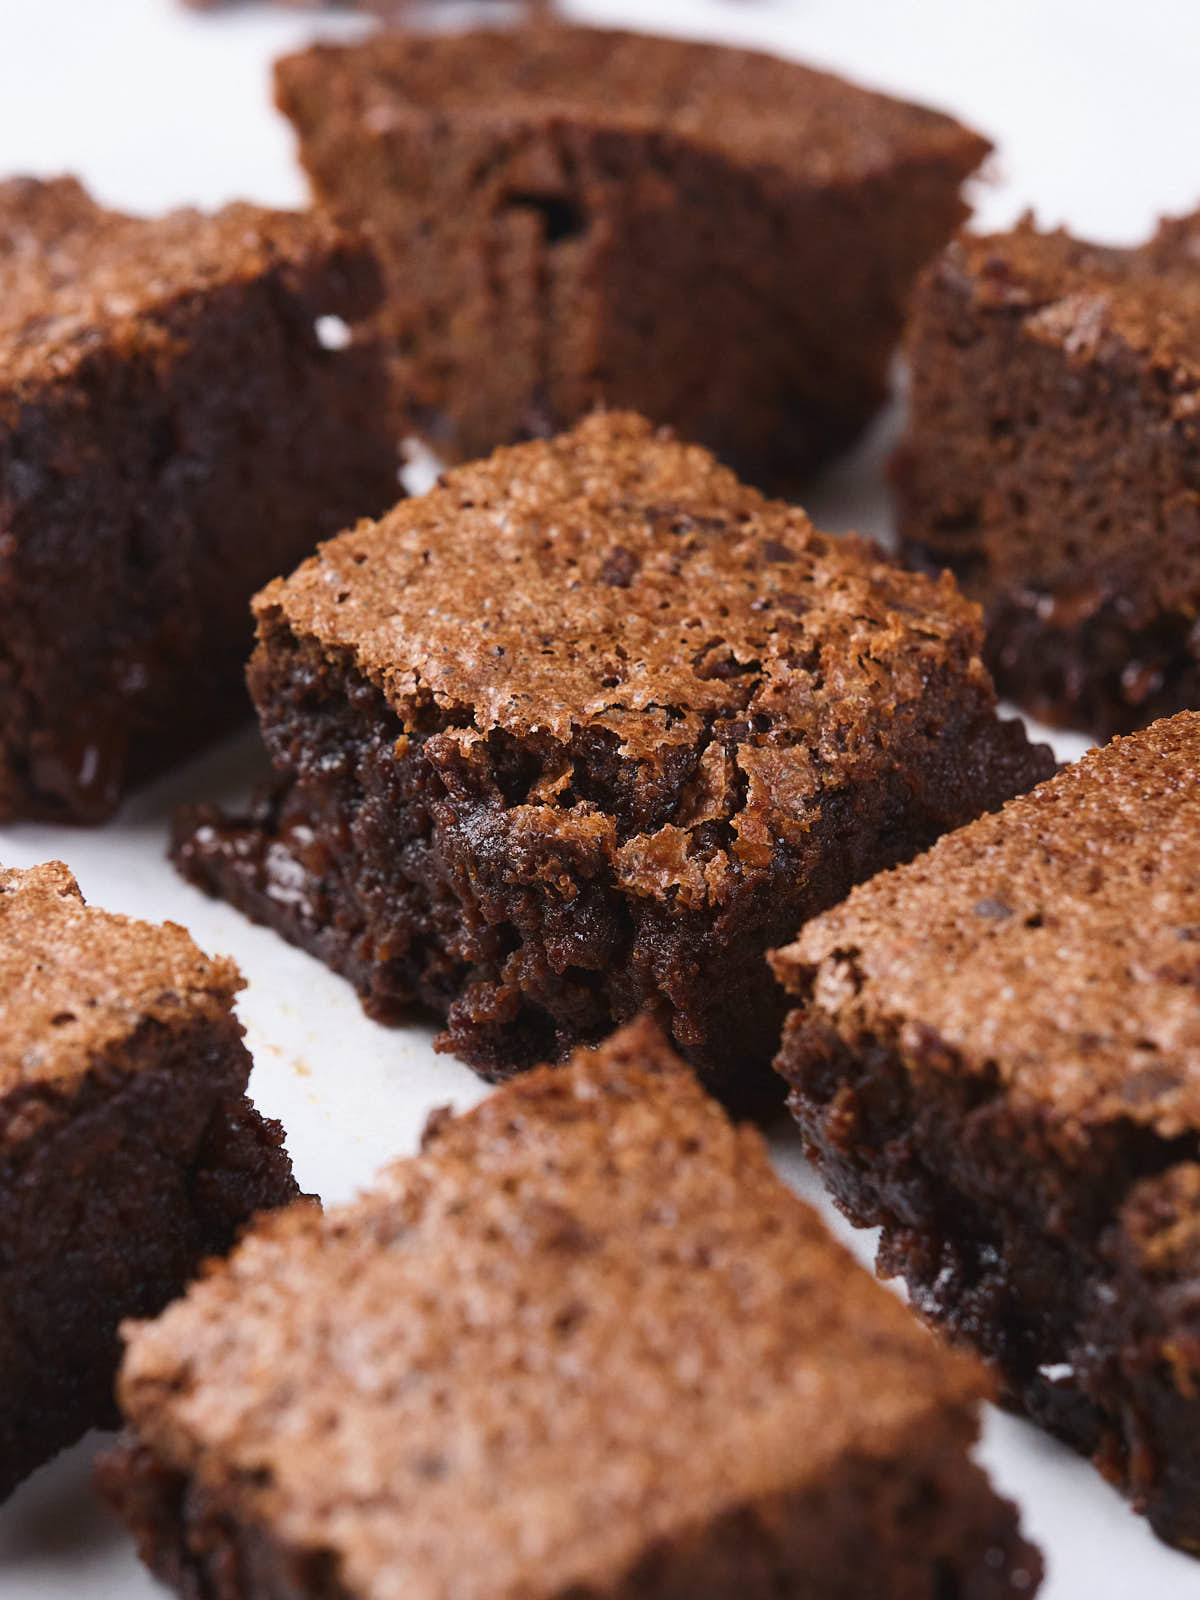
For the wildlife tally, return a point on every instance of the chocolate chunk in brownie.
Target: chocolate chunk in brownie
(996, 1059)
(586, 1343)
(173, 433)
(569, 216)
(586, 729)
(1053, 461)
(128, 1151)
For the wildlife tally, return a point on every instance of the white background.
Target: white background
(1094, 110)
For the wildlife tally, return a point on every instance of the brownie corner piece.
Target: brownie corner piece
(995, 1057)
(586, 1342)
(1052, 460)
(569, 216)
(585, 730)
(128, 1151)
(174, 430)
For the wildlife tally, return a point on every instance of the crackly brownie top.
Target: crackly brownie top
(615, 581)
(587, 1317)
(73, 273)
(1056, 943)
(75, 980)
(753, 107)
(1093, 301)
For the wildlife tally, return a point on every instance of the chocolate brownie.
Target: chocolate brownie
(585, 730)
(996, 1059)
(1053, 461)
(586, 1343)
(128, 1152)
(568, 216)
(172, 433)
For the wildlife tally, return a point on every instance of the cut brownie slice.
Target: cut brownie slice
(172, 434)
(567, 216)
(586, 1343)
(997, 1060)
(582, 732)
(128, 1153)
(1053, 461)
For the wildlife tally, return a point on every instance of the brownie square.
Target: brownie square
(586, 1343)
(172, 434)
(128, 1151)
(995, 1057)
(570, 216)
(1053, 462)
(581, 733)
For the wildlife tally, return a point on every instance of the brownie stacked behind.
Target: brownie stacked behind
(719, 239)
(586, 1343)
(172, 434)
(996, 1058)
(1053, 461)
(585, 730)
(128, 1152)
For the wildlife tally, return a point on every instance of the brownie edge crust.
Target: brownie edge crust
(995, 1058)
(586, 1343)
(582, 733)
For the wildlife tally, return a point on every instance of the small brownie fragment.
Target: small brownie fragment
(1053, 462)
(996, 1059)
(128, 1151)
(585, 730)
(172, 434)
(567, 217)
(586, 1343)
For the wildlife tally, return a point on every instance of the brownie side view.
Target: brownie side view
(585, 730)
(568, 217)
(128, 1151)
(586, 1343)
(1053, 462)
(172, 434)
(995, 1057)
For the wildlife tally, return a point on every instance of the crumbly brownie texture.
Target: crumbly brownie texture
(128, 1152)
(566, 216)
(172, 433)
(996, 1059)
(582, 732)
(1053, 461)
(586, 1343)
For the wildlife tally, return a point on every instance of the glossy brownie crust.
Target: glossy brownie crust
(1053, 462)
(581, 734)
(128, 1152)
(504, 1373)
(566, 216)
(172, 433)
(995, 1059)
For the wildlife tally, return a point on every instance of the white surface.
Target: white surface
(1094, 109)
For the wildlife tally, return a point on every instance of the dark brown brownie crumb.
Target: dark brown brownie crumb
(996, 1059)
(1053, 461)
(172, 433)
(586, 1343)
(567, 216)
(128, 1153)
(584, 731)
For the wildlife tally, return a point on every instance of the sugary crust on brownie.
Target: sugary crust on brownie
(617, 583)
(72, 272)
(76, 980)
(586, 1318)
(1051, 948)
(761, 110)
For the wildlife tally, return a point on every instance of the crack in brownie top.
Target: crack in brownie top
(615, 583)
(72, 272)
(1071, 924)
(777, 114)
(75, 979)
